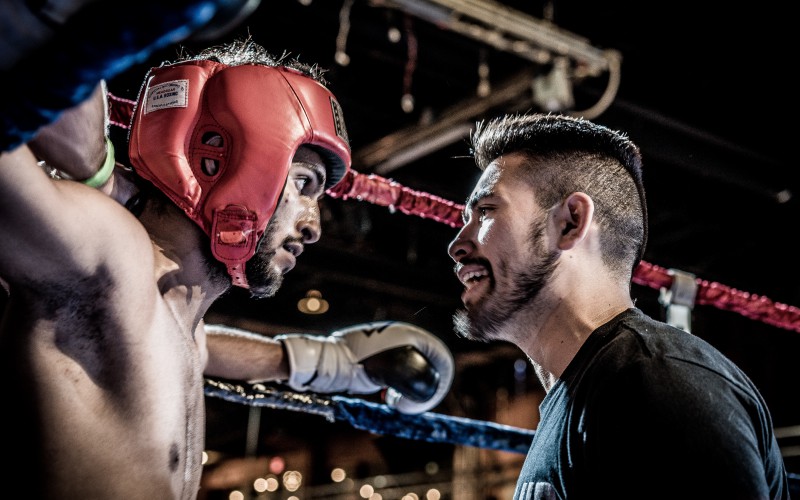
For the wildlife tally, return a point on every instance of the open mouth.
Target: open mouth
(471, 278)
(286, 260)
(471, 275)
(293, 248)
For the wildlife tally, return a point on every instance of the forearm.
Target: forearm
(241, 355)
(75, 144)
(413, 365)
(57, 71)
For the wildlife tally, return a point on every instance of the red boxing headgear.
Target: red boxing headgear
(263, 114)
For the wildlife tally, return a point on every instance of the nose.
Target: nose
(309, 223)
(460, 246)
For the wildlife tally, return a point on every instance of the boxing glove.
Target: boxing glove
(414, 366)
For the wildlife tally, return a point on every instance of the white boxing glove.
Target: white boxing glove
(414, 365)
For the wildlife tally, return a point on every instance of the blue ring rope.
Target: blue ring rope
(383, 420)
(378, 418)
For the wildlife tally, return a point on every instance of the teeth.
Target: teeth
(473, 275)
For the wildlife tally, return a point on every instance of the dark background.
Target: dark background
(707, 91)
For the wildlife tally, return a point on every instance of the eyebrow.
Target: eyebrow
(474, 199)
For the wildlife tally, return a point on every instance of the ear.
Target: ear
(573, 218)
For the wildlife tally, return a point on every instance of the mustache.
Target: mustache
(293, 239)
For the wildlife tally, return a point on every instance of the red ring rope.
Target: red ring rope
(381, 191)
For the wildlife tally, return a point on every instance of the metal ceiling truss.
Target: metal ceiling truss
(541, 42)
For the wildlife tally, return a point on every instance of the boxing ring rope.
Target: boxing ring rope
(385, 192)
(429, 426)
(377, 418)
(388, 193)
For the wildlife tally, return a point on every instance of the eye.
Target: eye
(483, 211)
(478, 212)
(300, 182)
(307, 182)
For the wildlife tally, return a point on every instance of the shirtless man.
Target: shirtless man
(103, 342)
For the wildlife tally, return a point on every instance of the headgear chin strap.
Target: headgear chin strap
(263, 115)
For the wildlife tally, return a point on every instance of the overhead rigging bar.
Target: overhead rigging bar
(509, 30)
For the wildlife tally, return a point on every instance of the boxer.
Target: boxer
(103, 339)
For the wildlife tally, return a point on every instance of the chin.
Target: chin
(481, 324)
(464, 325)
(264, 291)
(264, 281)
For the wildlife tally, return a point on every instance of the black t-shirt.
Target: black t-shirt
(649, 411)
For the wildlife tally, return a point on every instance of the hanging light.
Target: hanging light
(312, 303)
(484, 86)
(341, 56)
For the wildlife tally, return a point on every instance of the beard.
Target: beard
(261, 275)
(264, 281)
(486, 320)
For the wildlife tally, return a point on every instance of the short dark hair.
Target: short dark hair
(568, 154)
(246, 51)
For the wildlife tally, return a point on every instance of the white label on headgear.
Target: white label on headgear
(174, 94)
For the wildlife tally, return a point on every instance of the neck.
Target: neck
(188, 278)
(551, 333)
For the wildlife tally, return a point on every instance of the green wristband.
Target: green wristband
(102, 175)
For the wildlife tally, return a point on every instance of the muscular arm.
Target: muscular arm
(57, 229)
(75, 143)
(39, 235)
(413, 364)
(241, 355)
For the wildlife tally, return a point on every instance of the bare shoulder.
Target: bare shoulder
(56, 231)
(61, 231)
(106, 239)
